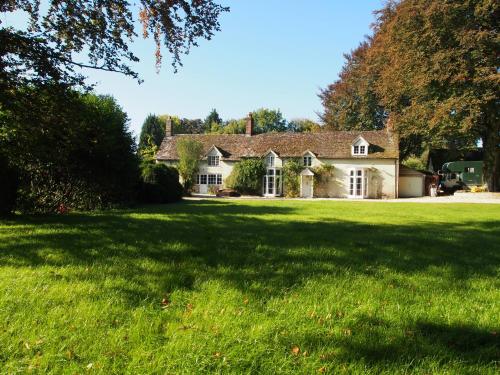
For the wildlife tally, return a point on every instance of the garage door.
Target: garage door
(411, 186)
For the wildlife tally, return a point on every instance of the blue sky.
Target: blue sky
(269, 53)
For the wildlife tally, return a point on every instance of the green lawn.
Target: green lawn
(253, 287)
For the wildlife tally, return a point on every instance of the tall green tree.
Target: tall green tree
(269, 120)
(432, 68)
(152, 132)
(213, 119)
(438, 67)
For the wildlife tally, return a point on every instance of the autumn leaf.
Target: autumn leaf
(322, 370)
(165, 302)
(295, 350)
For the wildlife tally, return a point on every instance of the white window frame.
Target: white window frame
(357, 183)
(203, 176)
(219, 179)
(270, 160)
(213, 160)
(307, 160)
(273, 176)
(212, 179)
(359, 147)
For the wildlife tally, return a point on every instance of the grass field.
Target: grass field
(270, 287)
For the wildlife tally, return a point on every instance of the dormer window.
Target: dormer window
(213, 160)
(307, 160)
(270, 161)
(359, 147)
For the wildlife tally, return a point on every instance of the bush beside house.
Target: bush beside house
(246, 176)
(160, 184)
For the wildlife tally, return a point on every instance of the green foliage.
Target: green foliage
(190, 126)
(8, 186)
(212, 120)
(322, 173)
(414, 162)
(189, 152)
(291, 178)
(269, 120)
(363, 288)
(432, 68)
(246, 176)
(266, 120)
(149, 150)
(70, 149)
(160, 184)
(351, 103)
(55, 39)
(303, 126)
(152, 132)
(229, 127)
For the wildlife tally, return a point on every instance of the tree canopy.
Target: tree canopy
(79, 154)
(431, 66)
(213, 119)
(62, 36)
(269, 120)
(152, 131)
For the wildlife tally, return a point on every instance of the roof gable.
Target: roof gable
(360, 141)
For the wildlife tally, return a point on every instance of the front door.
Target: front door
(307, 187)
(203, 184)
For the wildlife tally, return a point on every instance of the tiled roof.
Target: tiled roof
(326, 144)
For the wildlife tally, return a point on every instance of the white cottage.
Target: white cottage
(362, 164)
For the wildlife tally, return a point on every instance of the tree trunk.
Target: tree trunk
(491, 158)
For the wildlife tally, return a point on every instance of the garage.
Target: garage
(411, 182)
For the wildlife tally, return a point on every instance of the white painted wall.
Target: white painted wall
(381, 178)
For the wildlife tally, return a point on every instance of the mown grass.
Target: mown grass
(253, 287)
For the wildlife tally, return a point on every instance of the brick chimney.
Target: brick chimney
(249, 128)
(169, 131)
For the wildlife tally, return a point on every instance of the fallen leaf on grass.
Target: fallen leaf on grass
(295, 350)
(165, 302)
(322, 370)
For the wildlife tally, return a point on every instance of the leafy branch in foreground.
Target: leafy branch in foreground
(81, 34)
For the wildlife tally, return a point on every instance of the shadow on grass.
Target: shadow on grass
(260, 252)
(217, 240)
(371, 343)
